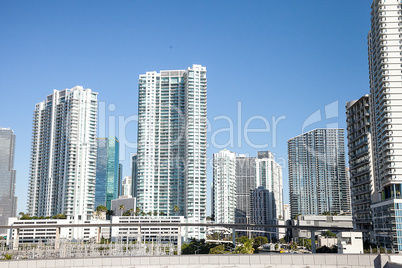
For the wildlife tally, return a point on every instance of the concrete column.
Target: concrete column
(98, 239)
(179, 240)
(312, 241)
(57, 241)
(234, 236)
(16, 239)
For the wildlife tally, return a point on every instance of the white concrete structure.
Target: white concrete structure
(63, 156)
(316, 220)
(224, 186)
(160, 233)
(327, 241)
(220, 261)
(384, 45)
(172, 152)
(48, 234)
(350, 242)
(286, 212)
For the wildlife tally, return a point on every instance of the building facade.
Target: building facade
(63, 156)
(361, 164)
(269, 176)
(126, 186)
(246, 180)
(8, 200)
(224, 186)
(171, 154)
(317, 176)
(107, 171)
(385, 68)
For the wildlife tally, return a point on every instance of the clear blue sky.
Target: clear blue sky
(278, 58)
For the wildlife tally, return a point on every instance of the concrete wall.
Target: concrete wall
(233, 261)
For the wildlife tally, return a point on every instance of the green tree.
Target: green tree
(176, 209)
(217, 250)
(127, 213)
(276, 247)
(121, 207)
(109, 213)
(260, 240)
(329, 234)
(137, 211)
(131, 212)
(246, 248)
(282, 241)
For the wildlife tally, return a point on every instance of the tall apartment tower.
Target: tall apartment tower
(224, 186)
(171, 154)
(361, 163)
(269, 176)
(63, 156)
(107, 171)
(384, 50)
(317, 173)
(8, 200)
(245, 180)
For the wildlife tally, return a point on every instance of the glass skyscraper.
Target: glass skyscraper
(246, 180)
(172, 151)
(259, 172)
(8, 201)
(63, 158)
(107, 171)
(317, 175)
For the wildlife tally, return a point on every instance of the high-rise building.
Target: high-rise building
(224, 185)
(384, 50)
(254, 172)
(171, 154)
(361, 163)
(107, 171)
(126, 186)
(317, 173)
(245, 180)
(63, 157)
(269, 176)
(8, 200)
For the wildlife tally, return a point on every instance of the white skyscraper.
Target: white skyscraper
(269, 176)
(224, 187)
(63, 159)
(171, 154)
(384, 45)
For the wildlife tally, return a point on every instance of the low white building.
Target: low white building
(350, 243)
(160, 233)
(44, 235)
(327, 241)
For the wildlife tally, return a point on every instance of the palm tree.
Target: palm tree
(176, 209)
(137, 211)
(161, 213)
(121, 207)
(131, 212)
